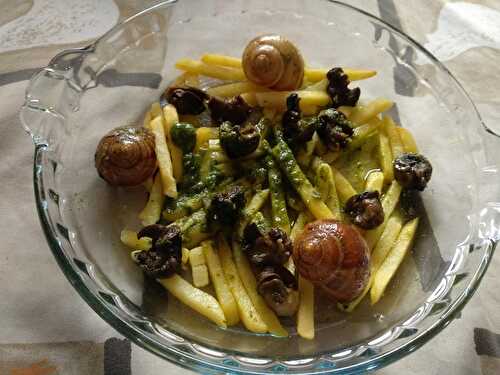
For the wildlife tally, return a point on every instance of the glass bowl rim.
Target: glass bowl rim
(193, 361)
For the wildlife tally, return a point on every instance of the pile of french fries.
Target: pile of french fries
(223, 265)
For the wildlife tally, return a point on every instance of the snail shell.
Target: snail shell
(273, 61)
(126, 156)
(333, 256)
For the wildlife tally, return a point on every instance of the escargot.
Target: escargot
(334, 256)
(164, 257)
(126, 156)
(412, 171)
(365, 209)
(273, 61)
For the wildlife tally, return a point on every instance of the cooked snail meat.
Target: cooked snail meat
(412, 171)
(164, 257)
(365, 209)
(238, 140)
(235, 110)
(186, 100)
(297, 131)
(338, 91)
(279, 289)
(226, 207)
(334, 129)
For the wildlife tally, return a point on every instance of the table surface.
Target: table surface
(46, 328)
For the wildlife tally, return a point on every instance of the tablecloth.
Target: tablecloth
(46, 328)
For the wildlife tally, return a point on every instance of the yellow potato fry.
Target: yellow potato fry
(302, 219)
(247, 277)
(203, 135)
(234, 89)
(359, 74)
(310, 74)
(315, 75)
(347, 111)
(147, 120)
(299, 224)
(290, 265)
(386, 241)
(393, 260)
(330, 156)
(180, 80)
(305, 315)
(220, 284)
(185, 256)
(214, 71)
(385, 244)
(277, 99)
(222, 60)
(409, 144)
(171, 118)
(305, 154)
(192, 80)
(250, 98)
(344, 187)
(305, 84)
(375, 181)
(353, 304)
(361, 133)
(309, 110)
(129, 239)
(314, 203)
(198, 300)
(152, 211)
(392, 132)
(195, 235)
(315, 163)
(269, 113)
(200, 276)
(325, 184)
(317, 86)
(155, 110)
(163, 157)
(391, 198)
(389, 202)
(362, 114)
(248, 314)
(385, 156)
(196, 256)
(333, 202)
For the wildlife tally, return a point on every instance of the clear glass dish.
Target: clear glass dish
(83, 93)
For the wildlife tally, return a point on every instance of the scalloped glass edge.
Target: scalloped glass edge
(379, 352)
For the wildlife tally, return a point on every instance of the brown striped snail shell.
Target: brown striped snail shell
(126, 156)
(273, 61)
(334, 256)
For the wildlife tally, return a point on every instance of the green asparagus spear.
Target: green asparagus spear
(278, 203)
(251, 209)
(194, 229)
(311, 197)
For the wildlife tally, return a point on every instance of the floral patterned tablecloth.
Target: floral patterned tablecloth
(47, 329)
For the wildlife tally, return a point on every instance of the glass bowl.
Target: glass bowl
(83, 93)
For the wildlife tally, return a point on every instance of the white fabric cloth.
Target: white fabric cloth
(37, 304)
